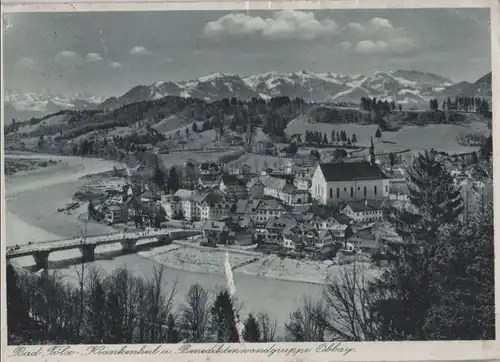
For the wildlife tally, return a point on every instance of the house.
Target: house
(290, 238)
(267, 209)
(338, 182)
(364, 210)
(279, 188)
(303, 182)
(325, 237)
(240, 238)
(216, 232)
(114, 213)
(399, 191)
(275, 226)
(176, 205)
(247, 207)
(365, 239)
(255, 188)
(233, 186)
(211, 210)
(208, 181)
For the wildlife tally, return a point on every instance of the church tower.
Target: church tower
(372, 152)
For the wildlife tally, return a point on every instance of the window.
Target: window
(386, 190)
(345, 189)
(352, 191)
(375, 190)
(365, 191)
(359, 188)
(338, 192)
(331, 192)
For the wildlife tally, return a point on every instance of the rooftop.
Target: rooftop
(365, 205)
(351, 171)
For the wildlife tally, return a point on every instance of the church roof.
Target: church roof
(351, 171)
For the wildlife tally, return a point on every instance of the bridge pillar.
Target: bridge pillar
(129, 245)
(41, 259)
(88, 252)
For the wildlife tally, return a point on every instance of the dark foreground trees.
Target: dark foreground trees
(119, 308)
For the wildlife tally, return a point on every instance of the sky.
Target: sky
(107, 53)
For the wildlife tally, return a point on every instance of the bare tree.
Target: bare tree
(349, 305)
(195, 315)
(305, 324)
(267, 327)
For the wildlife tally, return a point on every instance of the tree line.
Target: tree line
(123, 308)
(319, 138)
(462, 104)
(378, 105)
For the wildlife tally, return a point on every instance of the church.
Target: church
(341, 182)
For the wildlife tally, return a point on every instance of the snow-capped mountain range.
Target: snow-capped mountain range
(409, 87)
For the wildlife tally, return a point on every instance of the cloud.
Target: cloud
(93, 57)
(115, 65)
(378, 35)
(368, 46)
(140, 50)
(26, 64)
(68, 58)
(284, 24)
(346, 45)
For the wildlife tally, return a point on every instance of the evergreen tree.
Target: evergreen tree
(463, 277)
(223, 318)
(338, 137)
(400, 107)
(332, 137)
(354, 140)
(195, 127)
(406, 285)
(378, 134)
(173, 181)
(251, 332)
(172, 331)
(325, 139)
(159, 177)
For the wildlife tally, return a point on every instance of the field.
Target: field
(180, 157)
(442, 137)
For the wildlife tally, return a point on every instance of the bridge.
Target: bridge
(41, 251)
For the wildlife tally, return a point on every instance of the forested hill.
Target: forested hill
(170, 114)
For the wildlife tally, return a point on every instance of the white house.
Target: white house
(286, 192)
(213, 211)
(340, 182)
(399, 191)
(363, 210)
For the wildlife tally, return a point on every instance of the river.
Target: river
(32, 199)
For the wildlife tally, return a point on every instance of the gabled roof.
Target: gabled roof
(271, 205)
(183, 194)
(246, 206)
(274, 182)
(231, 180)
(351, 171)
(364, 205)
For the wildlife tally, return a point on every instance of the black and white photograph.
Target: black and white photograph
(285, 175)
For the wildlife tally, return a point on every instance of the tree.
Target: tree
(392, 159)
(173, 181)
(315, 155)
(332, 137)
(463, 277)
(172, 331)
(223, 318)
(195, 314)
(251, 333)
(292, 148)
(487, 147)
(159, 177)
(378, 134)
(433, 104)
(306, 324)
(354, 140)
(400, 106)
(267, 327)
(18, 319)
(405, 292)
(195, 127)
(325, 139)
